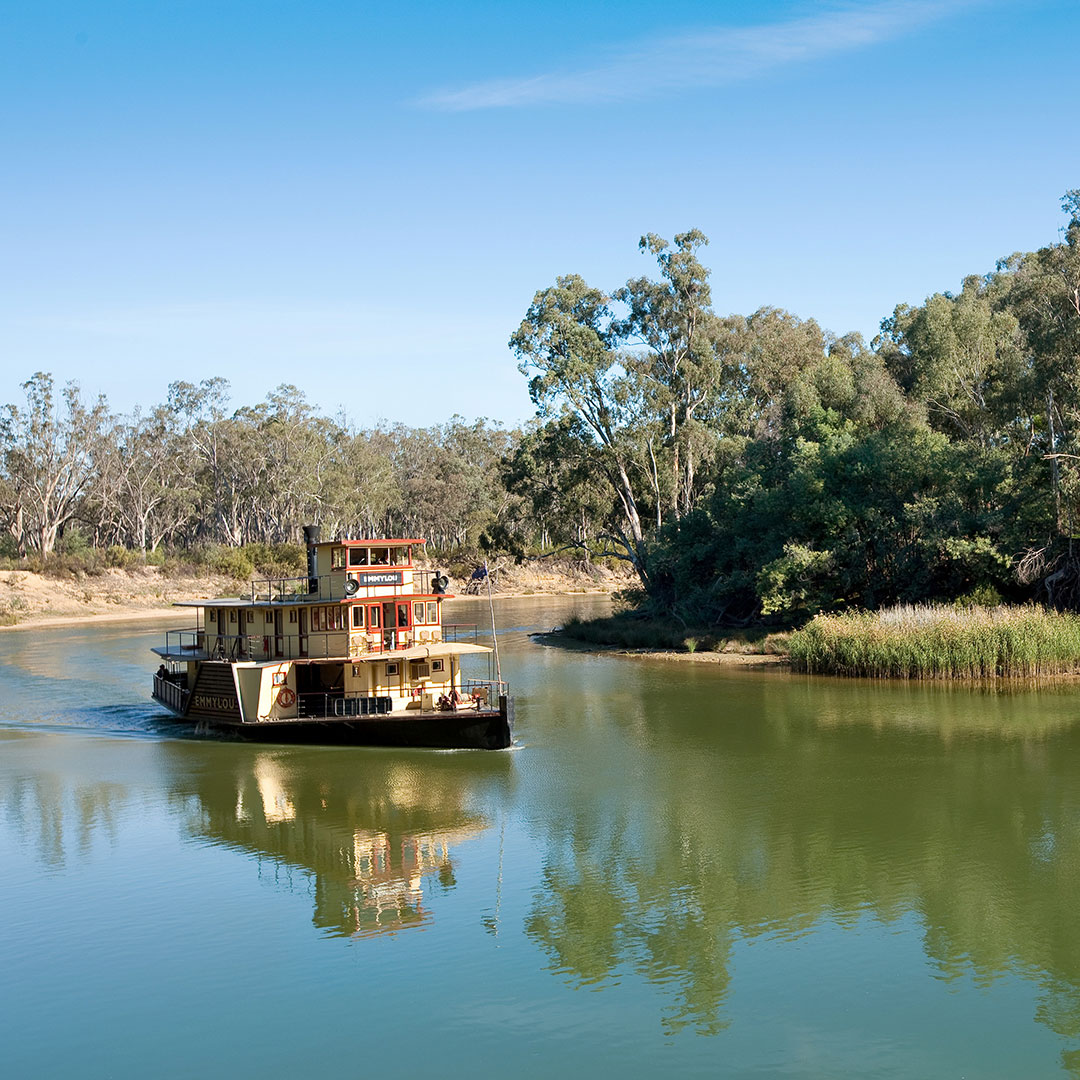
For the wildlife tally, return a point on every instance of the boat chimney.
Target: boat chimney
(311, 538)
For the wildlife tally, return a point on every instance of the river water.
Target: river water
(680, 868)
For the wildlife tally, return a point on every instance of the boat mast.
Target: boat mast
(494, 636)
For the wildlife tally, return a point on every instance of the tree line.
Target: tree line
(744, 466)
(192, 471)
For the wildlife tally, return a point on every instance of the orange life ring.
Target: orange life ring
(286, 697)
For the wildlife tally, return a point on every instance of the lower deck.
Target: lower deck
(313, 702)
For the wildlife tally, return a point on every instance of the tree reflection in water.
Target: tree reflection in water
(830, 805)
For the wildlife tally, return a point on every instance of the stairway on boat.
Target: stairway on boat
(214, 694)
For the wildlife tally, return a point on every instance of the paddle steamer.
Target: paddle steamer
(353, 652)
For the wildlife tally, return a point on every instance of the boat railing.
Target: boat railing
(484, 692)
(318, 645)
(353, 703)
(191, 640)
(171, 690)
(464, 632)
(481, 694)
(198, 644)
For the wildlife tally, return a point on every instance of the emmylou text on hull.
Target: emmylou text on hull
(354, 652)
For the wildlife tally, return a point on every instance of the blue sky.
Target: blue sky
(362, 200)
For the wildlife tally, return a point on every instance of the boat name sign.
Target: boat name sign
(215, 703)
(386, 578)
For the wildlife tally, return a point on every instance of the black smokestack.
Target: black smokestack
(311, 538)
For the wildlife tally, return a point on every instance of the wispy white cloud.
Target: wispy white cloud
(710, 57)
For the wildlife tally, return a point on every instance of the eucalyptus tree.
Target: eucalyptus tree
(561, 501)
(153, 486)
(569, 348)
(473, 452)
(962, 356)
(447, 479)
(294, 448)
(48, 460)
(1043, 290)
(202, 415)
(99, 506)
(360, 494)
(684, 361)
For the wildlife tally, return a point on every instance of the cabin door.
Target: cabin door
(279, 632)
(389, 621)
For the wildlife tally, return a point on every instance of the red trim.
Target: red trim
(367, 543)
(389, 596)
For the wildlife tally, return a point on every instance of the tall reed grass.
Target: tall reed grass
(940, 642)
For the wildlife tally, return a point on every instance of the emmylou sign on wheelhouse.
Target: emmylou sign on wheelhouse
(343, 654)
(394, 578)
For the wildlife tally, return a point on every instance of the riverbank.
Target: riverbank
(31, 599)
(733, 655)
(924, 642)
(628, 633)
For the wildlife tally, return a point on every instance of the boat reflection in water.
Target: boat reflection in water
(371, 833)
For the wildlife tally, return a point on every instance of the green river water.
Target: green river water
(680, 868)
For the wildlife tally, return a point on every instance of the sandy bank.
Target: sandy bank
(30, 600)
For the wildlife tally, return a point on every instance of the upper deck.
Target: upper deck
(345, 584)
(358, 597)
(353, 569)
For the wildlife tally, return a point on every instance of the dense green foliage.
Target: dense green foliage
(630, 630)
(935, 641)
(759, 467)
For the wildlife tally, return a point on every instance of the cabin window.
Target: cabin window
(327, 618)
(398, 556)
(403, 614)
(436, 665)
(358, 556)
(373, 617)
(279, 678)
(337, 558)
(269, 617)
(292, 616)
(433, 611)
(391, 669)
(251, 616)
(380, 556)
(358, 616)
(417, 613)
(211, 615)
(232, 616)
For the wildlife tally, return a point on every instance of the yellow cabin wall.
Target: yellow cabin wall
(248, 682)
(251, 624)
(259, 694)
